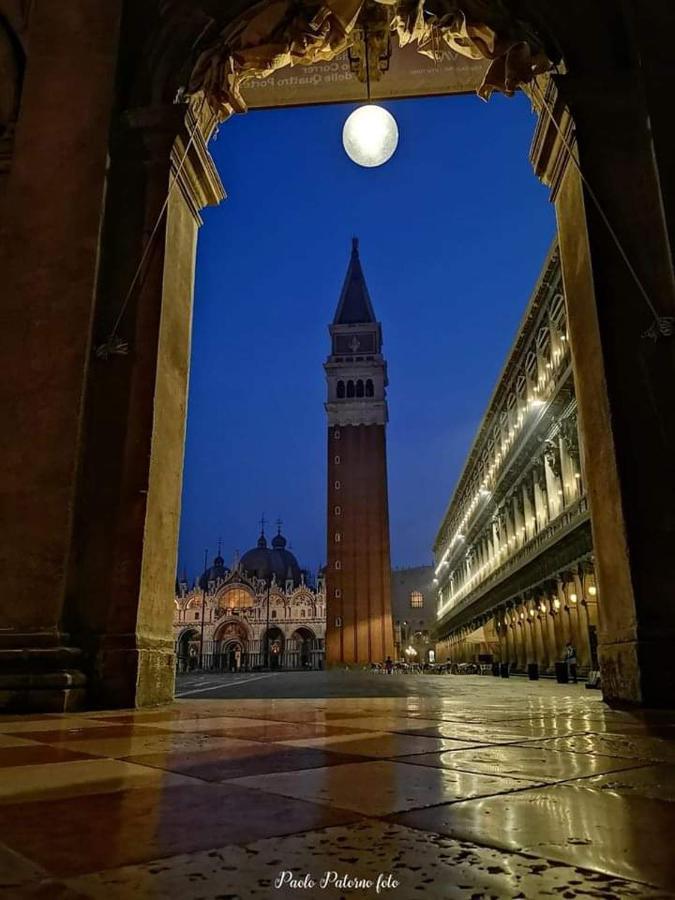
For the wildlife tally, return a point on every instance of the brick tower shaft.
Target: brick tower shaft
(358, 574)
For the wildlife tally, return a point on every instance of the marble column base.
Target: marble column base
(638, 672)
(125, 677)
(42, 679)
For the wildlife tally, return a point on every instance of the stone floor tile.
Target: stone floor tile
(39, 783)
(424, 865)
(47, 723)
(623, 836)
(70, 734)
(333, 741)
(621, 746)
(170, 742)
(107, 830)
(380, 787)
(386, 745)
(539, 763)
(471, 733)
(220, 724)
(281, 731)
(385, 723)
(655, 782)
(37, 754)
(11, 740)
(16, 872)
(249, 759)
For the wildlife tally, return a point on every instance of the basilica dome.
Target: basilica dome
(215, 572)
(265, 562)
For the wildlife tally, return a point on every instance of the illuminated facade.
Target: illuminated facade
(263, 612)
(513, 556)
(413, 608)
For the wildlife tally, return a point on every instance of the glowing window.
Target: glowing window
(416, 600)
(338, 537)
(236, 598)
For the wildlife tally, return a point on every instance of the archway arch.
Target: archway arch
(303, 646)
(274, 647)
(187, 649)
(231, 646)
(123, 143)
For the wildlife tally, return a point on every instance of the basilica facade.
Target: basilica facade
(514, 563)
(262, 612)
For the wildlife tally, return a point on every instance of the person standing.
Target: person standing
(571, 660)
(389, 665)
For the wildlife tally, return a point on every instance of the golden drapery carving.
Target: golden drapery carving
(273, 34)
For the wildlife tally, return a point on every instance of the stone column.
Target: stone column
(49, 257)
(126, 525)
(623, 376)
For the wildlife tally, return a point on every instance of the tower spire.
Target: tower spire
(354, 306)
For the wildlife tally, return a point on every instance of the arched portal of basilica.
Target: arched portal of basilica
(102, 179)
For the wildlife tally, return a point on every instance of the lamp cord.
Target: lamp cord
(662, 325)
(365, 49)
(113, 345)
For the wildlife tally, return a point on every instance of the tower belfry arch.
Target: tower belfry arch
(92, 445)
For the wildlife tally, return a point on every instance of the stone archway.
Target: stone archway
(231, 638)
(92, 451)
(187, 652)
(274, 647)
(303, 643)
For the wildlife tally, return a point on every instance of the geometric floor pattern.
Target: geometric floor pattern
(495, 789)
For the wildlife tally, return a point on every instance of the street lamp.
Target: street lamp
(370, 134)
(267, 629)
(201, 630)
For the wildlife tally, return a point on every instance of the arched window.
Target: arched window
(338, 537)
(370, 391)
(359, 388)
(350, 389)
(273, 614)
(340, 389)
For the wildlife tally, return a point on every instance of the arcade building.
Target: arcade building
(514, 563)
(263, 612)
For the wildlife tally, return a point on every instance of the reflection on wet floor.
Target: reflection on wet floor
(495, 790)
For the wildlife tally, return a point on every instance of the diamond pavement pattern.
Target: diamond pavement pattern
(479, 789)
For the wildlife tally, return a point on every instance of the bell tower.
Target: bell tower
(358, 574)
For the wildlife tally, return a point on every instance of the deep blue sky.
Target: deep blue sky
(453, 233)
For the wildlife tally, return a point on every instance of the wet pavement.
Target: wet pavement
(442, 787)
